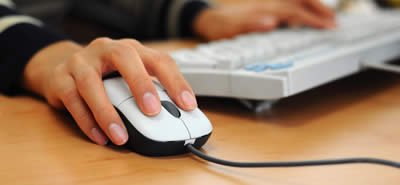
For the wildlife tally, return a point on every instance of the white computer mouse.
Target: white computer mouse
(161, 135)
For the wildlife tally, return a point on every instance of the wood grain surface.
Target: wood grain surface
(355, 116)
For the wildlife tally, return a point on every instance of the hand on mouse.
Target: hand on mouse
(69, 75)
(250, 16)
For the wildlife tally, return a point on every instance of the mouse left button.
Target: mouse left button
(117, 90)
(161, 128)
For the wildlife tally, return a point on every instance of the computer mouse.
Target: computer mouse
(165, 134)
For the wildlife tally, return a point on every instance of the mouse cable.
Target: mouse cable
(206, 157)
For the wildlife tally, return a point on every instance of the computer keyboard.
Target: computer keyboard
(278, 64)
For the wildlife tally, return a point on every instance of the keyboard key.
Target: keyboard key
(261, 67)
(294, 45)
(251, 67)
(187, 58)
(281, 65)
(271, 66)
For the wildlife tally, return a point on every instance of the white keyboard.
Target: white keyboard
(274, 65)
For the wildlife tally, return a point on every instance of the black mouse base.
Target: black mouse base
(139, 143)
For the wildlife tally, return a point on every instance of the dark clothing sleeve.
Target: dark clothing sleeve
(20, 38)
(143, 19)
(161, 18)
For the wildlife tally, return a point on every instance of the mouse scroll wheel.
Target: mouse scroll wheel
(171, 108)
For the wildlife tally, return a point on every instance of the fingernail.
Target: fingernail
(188, 100)
(118, 134)
(151, 104)
(99, 137)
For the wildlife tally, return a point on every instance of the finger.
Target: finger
(128, 62)
(165, 69)
(305, 17)
(80, 112)
(320, 8)
(90, 87)
(294, 24)
(259, 24)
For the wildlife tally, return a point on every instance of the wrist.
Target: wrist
(43, 63)
(201, 21)
(208, 24)
(188, 16)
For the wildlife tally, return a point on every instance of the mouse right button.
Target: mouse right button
(196, 122)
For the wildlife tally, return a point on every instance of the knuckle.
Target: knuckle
(59, 69)
(165, 57)
(118, 50)
(168, 60)
(68, 95)
(155, 58)
(142, 79)
(120, 47)
(56, 84)
(76, 61)
(162, 58)
(79, 67)
(102, 41)
(132, 41)
(85, 76)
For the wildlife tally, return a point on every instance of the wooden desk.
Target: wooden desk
(356, 116)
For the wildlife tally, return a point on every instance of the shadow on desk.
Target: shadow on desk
(313, 103)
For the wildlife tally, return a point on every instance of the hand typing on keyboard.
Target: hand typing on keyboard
(256, 16)
(284, 62)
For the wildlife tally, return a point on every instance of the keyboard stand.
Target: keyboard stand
(257, 106)
(385, 66)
